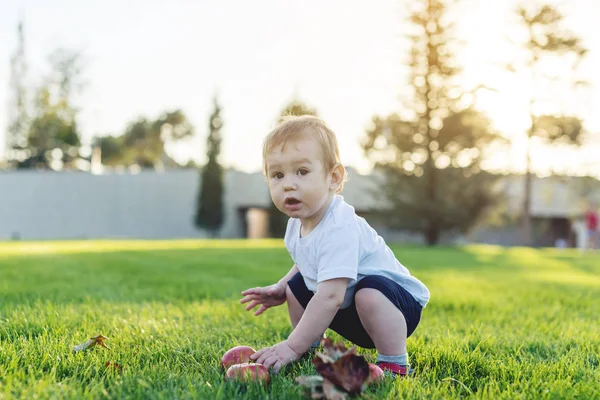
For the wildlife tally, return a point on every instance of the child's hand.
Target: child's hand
(267, 297)
(276, 356)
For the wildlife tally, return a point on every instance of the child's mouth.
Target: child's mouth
(292, 204)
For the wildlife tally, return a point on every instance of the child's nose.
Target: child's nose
(289, 184)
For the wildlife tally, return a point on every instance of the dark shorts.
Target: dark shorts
(347, 323)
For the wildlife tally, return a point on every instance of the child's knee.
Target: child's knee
(367, 299)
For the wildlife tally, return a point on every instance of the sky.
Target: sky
(345, 58)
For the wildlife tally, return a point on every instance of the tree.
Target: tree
(143, 142)
(53, 138)
(67, 77)
(278, 220)
(210, 212)
(544, 39)
(430, 154)
(16, 138)
(112, 150)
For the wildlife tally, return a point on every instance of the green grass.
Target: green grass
(502, 323)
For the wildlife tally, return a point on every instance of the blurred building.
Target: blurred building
(44, 205)
(557, 208)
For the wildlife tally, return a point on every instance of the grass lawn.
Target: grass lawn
(502, 323)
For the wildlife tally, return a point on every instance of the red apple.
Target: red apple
(375, 373)
(237, 355)
(248, 372)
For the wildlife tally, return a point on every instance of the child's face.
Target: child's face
(299, 184)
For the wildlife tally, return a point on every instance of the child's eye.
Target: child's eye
(277, 175)
(302, 171)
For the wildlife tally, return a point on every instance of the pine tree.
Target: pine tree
(16, 138)
(430, 153)
(210, 214)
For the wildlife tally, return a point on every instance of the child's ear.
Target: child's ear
(337, 176)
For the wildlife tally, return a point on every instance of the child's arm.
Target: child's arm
(318, 314)
(283, 281)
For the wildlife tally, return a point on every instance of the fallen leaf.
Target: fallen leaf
(349, 372)
(342, 372)
(96, 340)
(334, 351)
(331, 392)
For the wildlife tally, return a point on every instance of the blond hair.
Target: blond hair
(294, 127)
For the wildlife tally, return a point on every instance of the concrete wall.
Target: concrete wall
(42, 205)
(75, 205)
(150, 205)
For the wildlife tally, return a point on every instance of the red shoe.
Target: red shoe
(395, 369)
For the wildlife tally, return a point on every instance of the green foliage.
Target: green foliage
(53, 138)
(546, 33)
(143, 142)
(111, 149)
(431, 153)
(502, 323)
(559, 129)
(210, 213)
(43, 133)
(465, 197)
(66, 75)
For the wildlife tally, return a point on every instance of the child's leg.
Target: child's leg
(382, 320)
(388, 314)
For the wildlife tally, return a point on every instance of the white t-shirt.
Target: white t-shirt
(343, 245)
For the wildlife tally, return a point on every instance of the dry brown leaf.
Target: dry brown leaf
(320, 388)
(350, 372)
(331, 392)
(96, 340)
(334, 351)
(342, 372)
